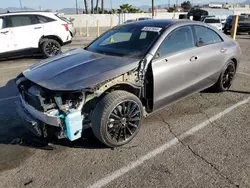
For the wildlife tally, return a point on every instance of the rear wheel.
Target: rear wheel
(226, 78)
(117, 118)
(50, 48)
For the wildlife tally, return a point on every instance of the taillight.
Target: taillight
(66, 26)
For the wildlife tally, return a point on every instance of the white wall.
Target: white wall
(105, 19)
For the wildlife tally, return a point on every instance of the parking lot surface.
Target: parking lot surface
(200, 141)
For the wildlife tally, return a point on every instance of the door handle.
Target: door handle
(194, 58)
(223, 50)
(37, 27)
(4, 32)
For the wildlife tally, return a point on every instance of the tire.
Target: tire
(114, 106)
(50, 48)
(221, 85)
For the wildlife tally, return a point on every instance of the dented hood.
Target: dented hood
(77, 69)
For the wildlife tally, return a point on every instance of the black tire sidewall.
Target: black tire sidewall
(220, 82)
(102, 112)
(44, 45)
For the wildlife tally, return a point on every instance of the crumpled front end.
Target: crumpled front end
(47, 112)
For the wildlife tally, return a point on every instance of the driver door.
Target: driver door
(175, 70)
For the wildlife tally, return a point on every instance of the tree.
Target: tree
(172, 9)
(97, 6)
(113, 11)
(126, 8)
(102, 6)
(186, 5)
(86, 6)
(92, 6)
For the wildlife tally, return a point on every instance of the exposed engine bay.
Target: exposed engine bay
(52, 108)
(62, 113)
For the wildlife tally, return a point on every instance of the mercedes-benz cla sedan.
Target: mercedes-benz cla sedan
(124, 75)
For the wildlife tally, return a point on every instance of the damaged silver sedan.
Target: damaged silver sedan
(127, 73)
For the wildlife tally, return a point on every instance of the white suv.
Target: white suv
(22, 31)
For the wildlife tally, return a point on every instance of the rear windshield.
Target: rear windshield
(212, 21)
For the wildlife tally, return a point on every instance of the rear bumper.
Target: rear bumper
(73, 31)
(68, 42)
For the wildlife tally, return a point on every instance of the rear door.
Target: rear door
(5, 37)
(212, 54)
(26, 31)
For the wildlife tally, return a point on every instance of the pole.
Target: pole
(168, 3)
(80, 27)
(153, 8)
(98, 29)
(234, 26)
(111, 21)
(87, 28)
(111, 5)
(76, 7)
(20, 1)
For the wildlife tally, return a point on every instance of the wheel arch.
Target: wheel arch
(126, 87)
(44, 38)
(235, 62)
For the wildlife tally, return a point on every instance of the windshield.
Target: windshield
(126, 40)
(212, 20)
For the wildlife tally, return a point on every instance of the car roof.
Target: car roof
(26, 12)
(161, 23)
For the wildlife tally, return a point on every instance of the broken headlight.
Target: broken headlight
(70, 101)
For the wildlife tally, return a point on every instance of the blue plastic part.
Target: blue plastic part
(73, 123)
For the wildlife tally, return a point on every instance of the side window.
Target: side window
(43, 19)
(206, 36)
(17, 21)
(179, 40)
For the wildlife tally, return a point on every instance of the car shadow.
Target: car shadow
(21, 57)
(241, 92)
(210, 90)
(12, 130)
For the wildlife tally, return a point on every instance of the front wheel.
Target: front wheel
(117, 118)
(226, 78)
(50, 48)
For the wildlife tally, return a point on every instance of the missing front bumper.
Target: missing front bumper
(35, 126)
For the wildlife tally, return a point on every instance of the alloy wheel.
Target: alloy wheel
(228, 76)
(52, 48)
(124, 121)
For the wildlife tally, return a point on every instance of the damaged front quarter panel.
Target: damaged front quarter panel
(130, 79)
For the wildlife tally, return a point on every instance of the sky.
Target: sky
(58, 4)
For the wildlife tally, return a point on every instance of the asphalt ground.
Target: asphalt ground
(201, 141)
